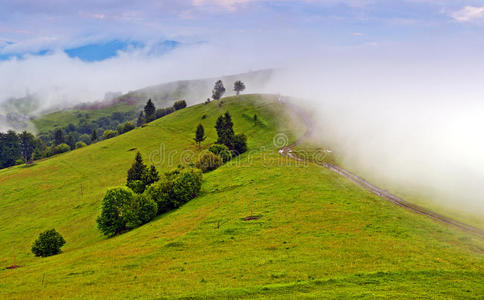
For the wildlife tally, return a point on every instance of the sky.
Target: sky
(396, 85)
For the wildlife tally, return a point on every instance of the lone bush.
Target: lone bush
(221, 150)
(209, 162)
(240, 144)
(179, 104)
(48, 243)
(80, 145)
(61, 148)
(109, 134)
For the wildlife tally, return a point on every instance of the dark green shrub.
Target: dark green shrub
(176, 188)
(240, 144)
(221, 150)
(125, 127)
(115, 211)
(48, 243)
(141, 210)
(209, 162)
(137, 186)
(80, 145)
(61, 148)
(109, 134)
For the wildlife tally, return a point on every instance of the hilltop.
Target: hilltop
(318, 235)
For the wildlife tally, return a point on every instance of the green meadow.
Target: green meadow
(317, 235)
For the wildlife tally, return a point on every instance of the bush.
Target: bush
(123, 128)
(61, 148)
(138, 186)
(209, 162)
(48, 243)
(141, 210)
(85, 138)
(177, 188)
(221, 150)
(109, 134)
(161, 112)
(123, 210)
(179, 104)
(80, 145)
(240, 144)
(114, 212)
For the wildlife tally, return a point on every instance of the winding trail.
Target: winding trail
(287, 151)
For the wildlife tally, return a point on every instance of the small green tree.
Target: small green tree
(27, 146)
(93, 136)
(61, 148)
(48, 243)
(150, 110)
(151, 176)
(225, 130)
(239, 86)
(115, 211)
(199, 135)
(80, 145)
(218, 90)
(138, 169)
(209, 162)
(240, 144)
(58, 137)
(255, 119)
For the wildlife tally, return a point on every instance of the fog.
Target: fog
(409, 119)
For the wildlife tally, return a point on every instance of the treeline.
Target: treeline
(24, 147)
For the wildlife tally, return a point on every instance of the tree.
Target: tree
(114, 211)
(61, 148)
(9, 149)
(199, 135)
(59, 137)
(240, 144)
(218, 90)
(255, 119)
(209, 162)
(225, 130)
(150, 110)
(151, 176)
(239, 86)
(138, 169)
(179, 104)
(48, 243)
(94, 135)
(70, 141)
(27, 146)
(141, 119)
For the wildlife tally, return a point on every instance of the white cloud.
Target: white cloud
(469, 14)
(230, 5)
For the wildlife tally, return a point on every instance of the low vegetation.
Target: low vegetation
(48, 243)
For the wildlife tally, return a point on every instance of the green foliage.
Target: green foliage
(115, 212)
(48, 243)
(138, 186)
(225, 130)
(222, 151)
(240, 144)
(80, 145)
(59, 137)
(218, 90)
(208, 162)
(149, 110)
(199, 135)
(85, 138)
(138, 169)
(151, 176)
(61, 148)
(142, 209)
(141, 120)
(27, 145)
(176, 188)
(139, 176)
(109, 134)
(161, 112)
(9, 149)
(179, 104)
(125, 127)
(94, 135)
(239, 86)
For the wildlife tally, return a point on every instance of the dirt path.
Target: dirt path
(287, 151)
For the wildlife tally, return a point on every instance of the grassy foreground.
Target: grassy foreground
(318, 235)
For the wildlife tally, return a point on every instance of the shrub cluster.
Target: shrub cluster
(209, 162)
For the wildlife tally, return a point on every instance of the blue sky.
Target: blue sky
(96, 30)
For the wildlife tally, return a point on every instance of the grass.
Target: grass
(318, 235)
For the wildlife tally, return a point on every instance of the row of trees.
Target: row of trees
(145, 196)
(219, 89)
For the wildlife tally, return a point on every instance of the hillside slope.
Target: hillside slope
(318, 233)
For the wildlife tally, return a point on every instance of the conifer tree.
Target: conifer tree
(200, 135)
(59, 137)
(27, 146)
(141, 119)
(149, 111)
(138, 169)
(94, 136)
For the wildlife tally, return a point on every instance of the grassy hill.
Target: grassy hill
(318, 235)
